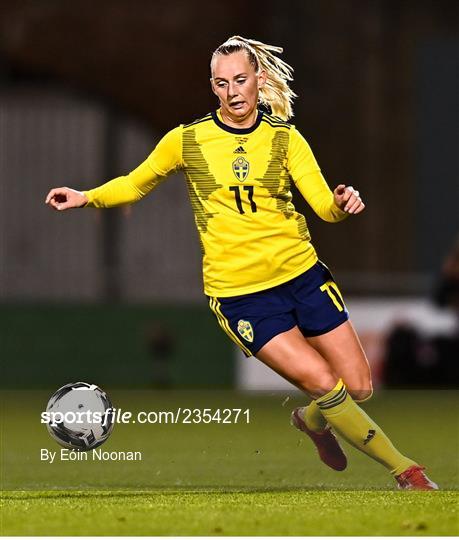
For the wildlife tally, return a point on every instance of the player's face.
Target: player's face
(236, 84)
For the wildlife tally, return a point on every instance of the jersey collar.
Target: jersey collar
(237, 131)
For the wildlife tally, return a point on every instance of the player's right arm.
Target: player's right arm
(165, 158)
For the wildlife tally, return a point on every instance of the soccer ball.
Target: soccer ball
(79, 416)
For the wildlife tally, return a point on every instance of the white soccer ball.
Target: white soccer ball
(79, 416)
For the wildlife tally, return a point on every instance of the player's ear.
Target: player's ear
(212, 85)
(261, 78)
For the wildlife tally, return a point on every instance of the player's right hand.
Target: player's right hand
(64, 198)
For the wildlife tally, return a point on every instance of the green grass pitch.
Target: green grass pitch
(260, 478)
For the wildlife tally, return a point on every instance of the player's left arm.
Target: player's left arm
(303, 168)
(348, 199)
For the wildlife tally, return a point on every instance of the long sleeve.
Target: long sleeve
(165, 158)
(305, 172)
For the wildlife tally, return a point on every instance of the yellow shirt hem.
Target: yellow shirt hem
(260, 286)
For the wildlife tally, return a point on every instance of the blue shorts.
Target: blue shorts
(311, 301)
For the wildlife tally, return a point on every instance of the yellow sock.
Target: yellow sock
(313, 417)
(357, 428)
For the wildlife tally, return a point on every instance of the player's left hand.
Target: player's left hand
(348, 199)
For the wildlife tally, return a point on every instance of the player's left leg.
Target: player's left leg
(342, 349)
(323, 320)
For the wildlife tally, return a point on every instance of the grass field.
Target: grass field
(260, 478)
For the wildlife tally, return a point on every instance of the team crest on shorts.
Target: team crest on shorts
(245, 330)
(241, 168)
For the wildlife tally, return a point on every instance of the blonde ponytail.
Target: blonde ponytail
(276, 93)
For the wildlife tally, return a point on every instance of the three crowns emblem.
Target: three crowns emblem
(241, 168)
(245, 330)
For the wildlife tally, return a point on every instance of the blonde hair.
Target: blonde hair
(276, 93)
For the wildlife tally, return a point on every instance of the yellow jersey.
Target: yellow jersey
(239, 180)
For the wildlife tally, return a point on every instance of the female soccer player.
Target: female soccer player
(265, 284)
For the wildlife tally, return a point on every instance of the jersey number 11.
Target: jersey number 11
(237, 196)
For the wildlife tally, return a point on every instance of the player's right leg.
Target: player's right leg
(290, 355)
(304, 367)
(343, 352)
(263, 325)
(252, 321)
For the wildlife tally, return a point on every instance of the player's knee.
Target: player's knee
(320, 385)
(363, 393)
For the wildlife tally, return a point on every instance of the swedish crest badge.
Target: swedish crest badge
(245, 330)
(241, 168)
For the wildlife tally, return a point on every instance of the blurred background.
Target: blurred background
(115, 296)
